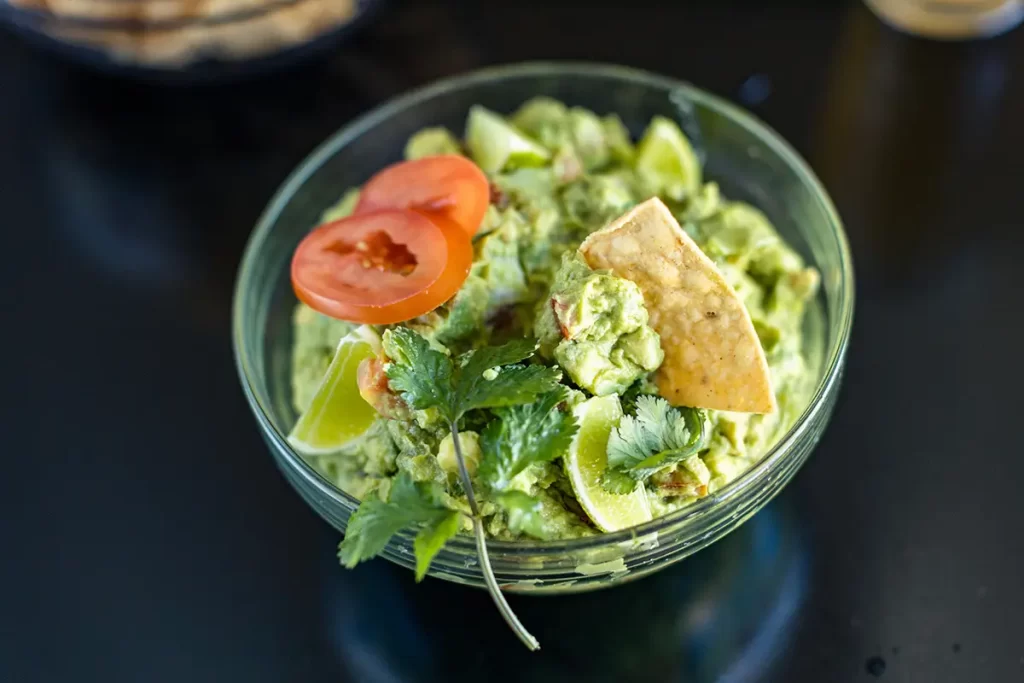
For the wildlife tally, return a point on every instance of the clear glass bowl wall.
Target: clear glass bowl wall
(747, 159)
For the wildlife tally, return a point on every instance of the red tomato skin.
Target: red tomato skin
(448, 184)
(330, 271)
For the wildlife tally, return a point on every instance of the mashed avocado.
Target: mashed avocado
(559, 173)
(432, 142)
(595, 326)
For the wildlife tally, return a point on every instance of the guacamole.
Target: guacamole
(595, 327)
(559, 174)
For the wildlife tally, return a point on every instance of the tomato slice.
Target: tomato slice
(381, 267)
(374, 388)
(448, 185)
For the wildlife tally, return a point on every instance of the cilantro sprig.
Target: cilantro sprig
(521, 436)
(409, 504)
(491, 377)
(485, 378)
(525, 515)
(657, 437)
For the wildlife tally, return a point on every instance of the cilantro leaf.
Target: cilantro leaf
(657, 437)
(420, 499)
(369, 530)
(477, 361)
(484, 383)
(524, 514)
(426, 378)
(431, 539)
(376, 521)
(422, 375)
(617, 482)
(486, 378)
(523, 435)
(641, 387)
(512, 385)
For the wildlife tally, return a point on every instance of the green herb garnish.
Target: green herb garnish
(490, 377)
(658, 436)
(484, 378)
(409, 503)
(524, 435)
(524, 514)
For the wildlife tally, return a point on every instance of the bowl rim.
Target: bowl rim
(753, 477)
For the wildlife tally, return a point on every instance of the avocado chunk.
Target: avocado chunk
(594, 325)
(431, 142)
(495, 144)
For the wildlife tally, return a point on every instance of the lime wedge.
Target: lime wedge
(665, 158)
(338, 414)
(494, 143)
(586, 461)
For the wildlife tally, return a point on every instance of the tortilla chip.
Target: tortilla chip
(713, 358)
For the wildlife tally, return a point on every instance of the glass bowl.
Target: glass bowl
(749, 161)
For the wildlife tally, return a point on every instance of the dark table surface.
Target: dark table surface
(148, 536)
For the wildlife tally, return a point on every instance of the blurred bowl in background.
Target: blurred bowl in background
(186, 40)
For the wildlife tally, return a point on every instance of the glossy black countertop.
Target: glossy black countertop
(149, 537)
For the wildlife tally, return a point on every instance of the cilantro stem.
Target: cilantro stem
(481, 548)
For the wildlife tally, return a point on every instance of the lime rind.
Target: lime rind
(587, 459)
(338, 415)
(367, 335)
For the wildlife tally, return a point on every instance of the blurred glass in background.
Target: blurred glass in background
(905, 125)
(950, 19)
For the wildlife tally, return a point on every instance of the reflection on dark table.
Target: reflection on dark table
(149, 537)
(724, 615)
